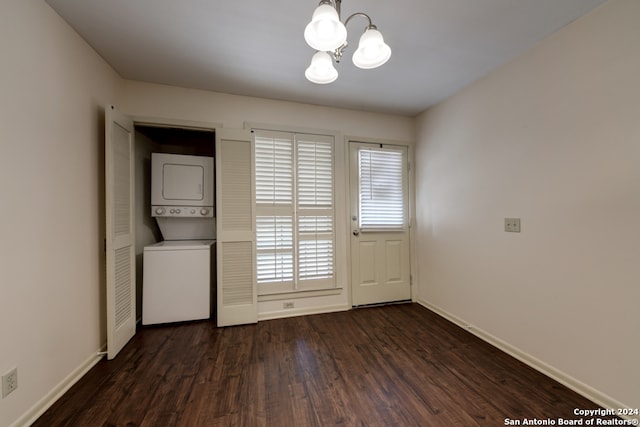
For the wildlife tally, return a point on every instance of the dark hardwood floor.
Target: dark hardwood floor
(399, 365)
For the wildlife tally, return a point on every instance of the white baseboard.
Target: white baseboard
(579, 387)
(55, 393)
(281, 314)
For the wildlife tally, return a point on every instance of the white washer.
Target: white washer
(177, 281)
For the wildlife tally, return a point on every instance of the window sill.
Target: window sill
(274, 296)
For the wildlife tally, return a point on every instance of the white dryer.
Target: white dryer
(177, 281)
(182, 195)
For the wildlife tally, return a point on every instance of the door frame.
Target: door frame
(160, 122)
(138, 120)
(348, 139)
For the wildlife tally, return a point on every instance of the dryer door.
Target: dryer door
(182, 182)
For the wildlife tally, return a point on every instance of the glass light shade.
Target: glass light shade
(372, 51)
(321, 70)
(325, 32)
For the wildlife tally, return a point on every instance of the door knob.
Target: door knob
(356, 232)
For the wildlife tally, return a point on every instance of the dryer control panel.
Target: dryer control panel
(182, 211)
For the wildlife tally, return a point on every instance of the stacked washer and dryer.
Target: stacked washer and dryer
(178, 273)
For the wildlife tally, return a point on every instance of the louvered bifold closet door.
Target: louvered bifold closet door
(120, 230)
(237, 301)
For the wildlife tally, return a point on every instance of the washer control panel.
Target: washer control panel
(183, 211)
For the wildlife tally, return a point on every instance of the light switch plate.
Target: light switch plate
(512, 225)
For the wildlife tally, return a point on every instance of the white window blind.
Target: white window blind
(314, 174)
(295, 233)
(274, 170)
(315, 208)
(383, 184)
(274, 246)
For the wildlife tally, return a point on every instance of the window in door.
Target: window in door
(295, 213)
(383, 188)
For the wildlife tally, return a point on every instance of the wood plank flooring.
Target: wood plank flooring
(399, 365)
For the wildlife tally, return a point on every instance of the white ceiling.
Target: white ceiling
(256, 48)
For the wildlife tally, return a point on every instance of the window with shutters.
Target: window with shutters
(295, 213)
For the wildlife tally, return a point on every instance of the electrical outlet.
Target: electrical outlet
(288, 305)
(9, 382)
(512, 225)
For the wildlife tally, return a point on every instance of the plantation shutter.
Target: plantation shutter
(274, 207)
(315, 208)
(294, 211)
(383, 189)
(237, 300)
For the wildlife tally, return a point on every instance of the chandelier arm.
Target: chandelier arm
(337, 4)
(364, 15)
(337, 54)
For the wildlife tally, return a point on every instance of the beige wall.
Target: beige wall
(142, 100)
(554, 139)
(53, 88)
(232, 111)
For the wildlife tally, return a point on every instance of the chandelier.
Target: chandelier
(328, 35)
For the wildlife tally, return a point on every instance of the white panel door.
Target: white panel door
(237, 298)
(120, 232)
(380, 269)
